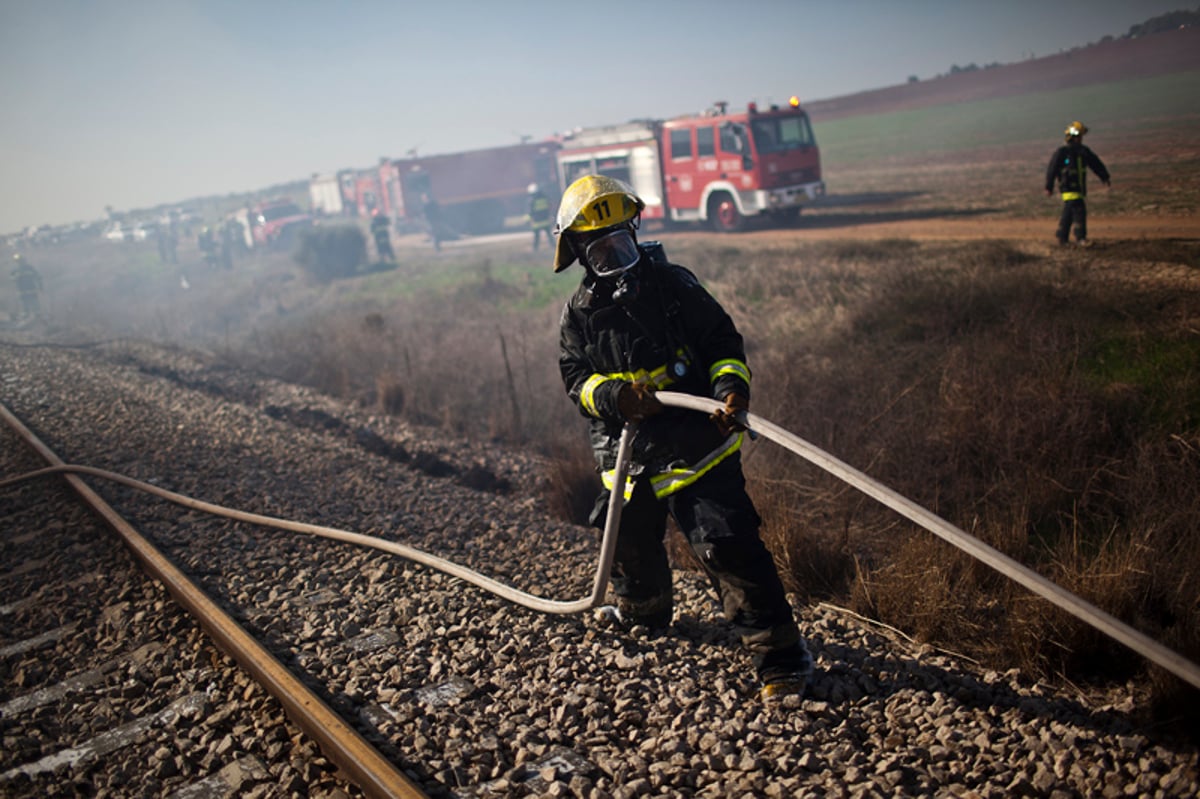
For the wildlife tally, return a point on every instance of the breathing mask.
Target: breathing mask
(612, 258)
(611, 255)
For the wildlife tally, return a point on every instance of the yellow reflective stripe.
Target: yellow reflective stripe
(729, 366)
(672, 480)
(607, 479)
(587, 394)
(1072, 195)
(655, 376)
(658, 377)
(668, 482)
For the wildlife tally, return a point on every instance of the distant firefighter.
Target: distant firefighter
(1068, 167)
(29, 284)
(540, 218)
(381, 231)
(161, 236)
(433, 217)
(207, 241)
(227, 234)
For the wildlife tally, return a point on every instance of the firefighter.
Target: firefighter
(225, 233)
(381, 232)
(29, 284)
(161, 235)
(207, 242)
(539, 215)
(635, 324)
(172, 243)
(433, 217)
(1069, 166)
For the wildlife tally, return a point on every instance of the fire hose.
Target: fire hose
(1023, 575)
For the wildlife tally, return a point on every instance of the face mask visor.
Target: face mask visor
(612, 254)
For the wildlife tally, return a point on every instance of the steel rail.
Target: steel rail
(343, 745)
(1085, 611)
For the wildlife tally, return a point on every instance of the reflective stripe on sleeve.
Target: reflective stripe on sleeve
(587, 394)
(729, 366)
(659, 377)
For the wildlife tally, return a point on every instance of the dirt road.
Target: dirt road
(887, 226)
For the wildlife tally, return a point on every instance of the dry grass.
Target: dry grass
(1049, 409)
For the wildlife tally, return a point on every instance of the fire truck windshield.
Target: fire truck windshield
(279, 212)
(780, 134)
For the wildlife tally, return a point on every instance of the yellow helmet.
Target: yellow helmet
(593, 202)
(1075, 130)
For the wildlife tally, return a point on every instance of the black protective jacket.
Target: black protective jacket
(675, 335)
(539, 211)
(1069, 166)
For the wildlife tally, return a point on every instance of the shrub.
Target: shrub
(327, 253)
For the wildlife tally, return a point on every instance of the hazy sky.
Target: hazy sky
(131, 104)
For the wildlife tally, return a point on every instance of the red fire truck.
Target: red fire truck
(475, 190)
(719, 167)
(276, 223)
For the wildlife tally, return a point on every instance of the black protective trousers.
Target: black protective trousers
(538, 232)
(1073, 212)
(719, 521)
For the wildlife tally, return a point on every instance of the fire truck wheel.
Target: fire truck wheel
(723, 213)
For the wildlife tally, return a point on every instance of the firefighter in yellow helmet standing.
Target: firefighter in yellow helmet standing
(540, 218)
(638, 323)
(1068, 167)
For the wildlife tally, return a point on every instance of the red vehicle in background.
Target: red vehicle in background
(719, 168)
(276, 224)
(476, 190)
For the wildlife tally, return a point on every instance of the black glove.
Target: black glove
(732, 418)
(636, 401)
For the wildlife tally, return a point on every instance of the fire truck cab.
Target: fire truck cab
(719, 167)
(275, 224)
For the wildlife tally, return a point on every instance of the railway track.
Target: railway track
(111, 687)
(464, 694)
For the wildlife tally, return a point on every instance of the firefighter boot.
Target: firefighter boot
(647, 618)
(785, 673)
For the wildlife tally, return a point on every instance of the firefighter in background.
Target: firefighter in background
(638, 323)
(539, 215)
(29, 284)
(226, 234)
(382, 233)
(160, 238)
(207, 243)
(1068, 167)
(433, 217)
